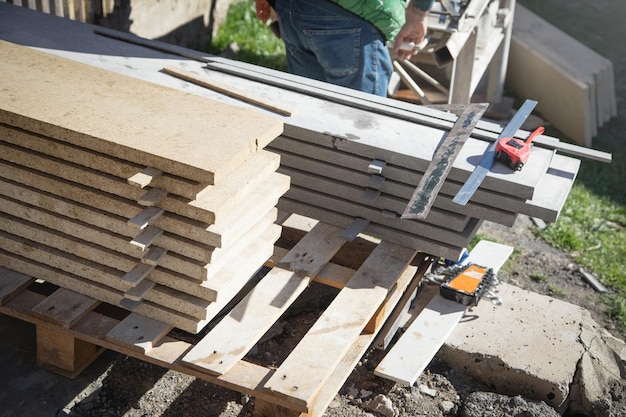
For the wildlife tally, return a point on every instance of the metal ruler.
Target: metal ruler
(486, 163)
(441, 164)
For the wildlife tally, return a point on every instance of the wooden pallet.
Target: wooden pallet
(72, 329)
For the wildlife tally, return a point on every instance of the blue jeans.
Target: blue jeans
(328, 43)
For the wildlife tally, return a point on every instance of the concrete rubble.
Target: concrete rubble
(542, 349)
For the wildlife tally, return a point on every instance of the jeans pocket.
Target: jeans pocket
(337, 50)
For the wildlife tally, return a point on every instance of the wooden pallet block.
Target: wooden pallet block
(148, 340)
(167, 123)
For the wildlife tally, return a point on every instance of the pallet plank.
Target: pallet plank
(336, 330)
(235, 335)
(12, 282)
(64, 307)
(138, 332)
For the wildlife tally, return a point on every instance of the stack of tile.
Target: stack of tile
(135, 194)
(355, 160)
(336, 181)
(574, 85)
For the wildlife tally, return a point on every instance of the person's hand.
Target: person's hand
(263, 10)
(413, 30)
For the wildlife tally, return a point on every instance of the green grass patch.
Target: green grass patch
(592, 228)
(256, 41)
(539, 277)
(555, 290)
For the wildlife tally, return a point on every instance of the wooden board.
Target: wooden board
(425, 243)
(99, 161)
(12, 282)
(329, 338)
(207, 203)
(357, 195)
(166, 123)
(297, 152)
(414, 350)
(398, 152)
(64, 308)
(138, 332)
(274, 186)
(390, 220)
(236, 333)
(389, 194)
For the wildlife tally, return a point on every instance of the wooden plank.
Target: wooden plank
(383, 201)
(139, 291)
(161, 134)
(391, 187)
(441, 234)
(146, 217)
(313, 158)
(138, 332)
(414, 350)
(554, 188)
(236, 333)
(399, 237)
(101, 162)
(138, 273)
(203, 197)
(12, 282)
(206, 82)
(106, 221)
(333, 275)
(94, 290)
(152, 197)
(336, 330)
(267, 193)
(573, 59)
(64, 308)
(189, 304)
(89, 234)
(154, 256)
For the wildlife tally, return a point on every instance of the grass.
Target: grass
(592, 225)
(539, 277)
(256, 41)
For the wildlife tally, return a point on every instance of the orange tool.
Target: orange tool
(515, 152)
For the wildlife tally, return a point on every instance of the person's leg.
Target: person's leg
(329, 43)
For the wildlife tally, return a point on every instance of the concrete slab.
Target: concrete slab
(530, 345)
